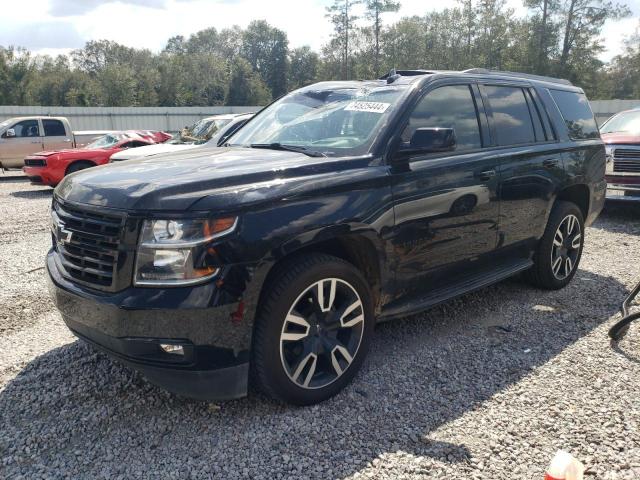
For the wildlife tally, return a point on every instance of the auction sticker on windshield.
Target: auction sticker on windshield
(373, 107)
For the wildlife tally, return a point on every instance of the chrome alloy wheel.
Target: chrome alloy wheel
(321, 333)
(566, 247)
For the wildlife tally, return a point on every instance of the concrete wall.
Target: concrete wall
(603, 109)
(169, 119)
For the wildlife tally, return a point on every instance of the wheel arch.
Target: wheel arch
(579, 194)
(75, 162)
(357, 249)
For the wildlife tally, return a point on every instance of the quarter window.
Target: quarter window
(511, 116)
(53, 128)
(451, 106)
(577, 114)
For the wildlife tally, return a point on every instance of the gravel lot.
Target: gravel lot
(487, 386)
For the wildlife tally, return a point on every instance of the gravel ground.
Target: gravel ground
(486, 386)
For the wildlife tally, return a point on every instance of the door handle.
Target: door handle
(36, 142)
(486, 175)
(549, 163)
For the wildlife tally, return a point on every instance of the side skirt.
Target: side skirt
(459, 286)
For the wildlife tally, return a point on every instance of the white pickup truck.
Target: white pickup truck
(23, 136)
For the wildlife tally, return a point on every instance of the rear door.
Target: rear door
(27, 140)
(446, 204)
(530, 162)
(56, 136)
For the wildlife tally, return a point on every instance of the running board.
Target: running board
(467, 284)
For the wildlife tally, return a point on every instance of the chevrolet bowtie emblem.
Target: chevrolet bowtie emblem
(64, 235)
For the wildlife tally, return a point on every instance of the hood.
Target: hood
(147, 150)
(226, 177)
(620, 138)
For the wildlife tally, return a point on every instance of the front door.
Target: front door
(27, 140)
(446, 204)
(55, 135)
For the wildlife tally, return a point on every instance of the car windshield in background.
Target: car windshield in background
(333, 121)
(202, 131)
(105, 142)
(626, 122)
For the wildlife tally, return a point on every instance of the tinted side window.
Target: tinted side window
(511, 116)
(577, 114)
(27, 128)
(53, 128)
(452, 106)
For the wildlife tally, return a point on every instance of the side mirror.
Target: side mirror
(432, 140)
(10, 133)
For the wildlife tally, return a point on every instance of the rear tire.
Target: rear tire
(559, 251)
(313, 329)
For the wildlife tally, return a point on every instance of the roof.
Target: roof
(397, 75)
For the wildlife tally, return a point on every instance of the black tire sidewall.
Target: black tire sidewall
(272, 372)
(543, 257)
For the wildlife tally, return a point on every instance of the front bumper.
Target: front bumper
(131, 324)
(40, 176)
(623, 192)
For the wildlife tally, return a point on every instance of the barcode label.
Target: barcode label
(373, 107)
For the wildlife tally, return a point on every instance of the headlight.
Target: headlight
(175, 252)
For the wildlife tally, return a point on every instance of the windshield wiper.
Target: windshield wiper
(288, 148)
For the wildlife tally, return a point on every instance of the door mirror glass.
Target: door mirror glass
(10, 133)
(432, 140)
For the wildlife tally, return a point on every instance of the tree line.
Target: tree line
(252, 66)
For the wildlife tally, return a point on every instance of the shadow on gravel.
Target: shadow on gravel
(33, 194)
(72, 409)
(13, 177)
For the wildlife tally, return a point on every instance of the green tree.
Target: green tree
(267, 48)
(246, 87)
(374, 11)
(582, 22)
(303, 66)
(343, 19)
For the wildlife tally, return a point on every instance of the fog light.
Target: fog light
(172, 349)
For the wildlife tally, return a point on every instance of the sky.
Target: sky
(59, 26)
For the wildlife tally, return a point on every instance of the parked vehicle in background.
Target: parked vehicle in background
(211, 132)
(339, 205)
(48, 168)
(22, 136)
(621, 135)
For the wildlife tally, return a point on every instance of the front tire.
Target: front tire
(559, 251)
(313, 329)
(77, 166)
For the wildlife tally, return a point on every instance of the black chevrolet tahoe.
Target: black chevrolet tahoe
(268, 262)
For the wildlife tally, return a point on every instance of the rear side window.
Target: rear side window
(576, 113)
(511, 115)
(53, 128)
(451, 106)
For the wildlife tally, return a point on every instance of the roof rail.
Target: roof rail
(405, 73)
(541, 78)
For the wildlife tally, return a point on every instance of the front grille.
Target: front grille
(87, 244)
(35, 162)
(626, 160)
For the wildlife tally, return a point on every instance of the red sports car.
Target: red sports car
(49, 168)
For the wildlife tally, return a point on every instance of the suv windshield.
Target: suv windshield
(334, 121)
(623, 122)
